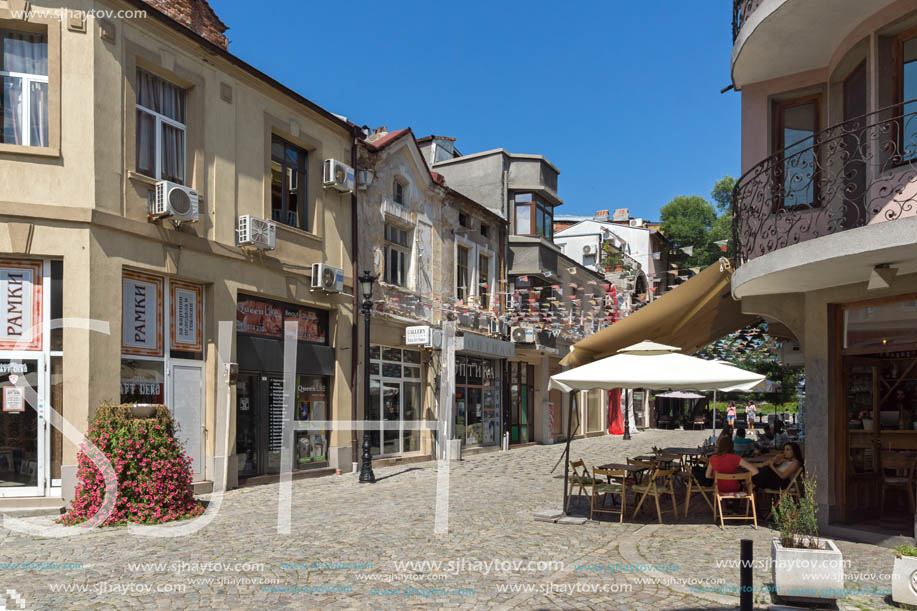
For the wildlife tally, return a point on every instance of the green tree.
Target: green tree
(722, 194)
(686, 222)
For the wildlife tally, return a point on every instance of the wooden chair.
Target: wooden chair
(902, 468)
(695, 486)
(774, 494)
(580, 477)
(616, 484)
(637, 478)
(658, 483)
(748, 494)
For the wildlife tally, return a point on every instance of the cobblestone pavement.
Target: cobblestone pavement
(370, 530)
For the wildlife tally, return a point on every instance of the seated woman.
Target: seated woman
(765, 440)
(743, 445)
(778, 473)
(780, 436)
(725, 460)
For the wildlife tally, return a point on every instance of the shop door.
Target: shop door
(187, 404)
(23, 426)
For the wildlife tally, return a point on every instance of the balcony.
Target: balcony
(741, 9)
(855, 174)
(774, 38)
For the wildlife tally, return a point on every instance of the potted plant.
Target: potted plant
(805, 567)
(904, 576)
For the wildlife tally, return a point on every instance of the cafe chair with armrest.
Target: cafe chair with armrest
(748, 494)
(695, 486)
(657, 484)
(616, 483)
(579, 478)
(897, 473)
(773, 494)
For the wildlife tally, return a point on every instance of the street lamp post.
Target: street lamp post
(366, 289)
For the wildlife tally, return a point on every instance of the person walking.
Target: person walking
(731, 414)
(750, 414)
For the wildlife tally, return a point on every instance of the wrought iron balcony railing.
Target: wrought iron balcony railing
(860, 172)
(741, 9)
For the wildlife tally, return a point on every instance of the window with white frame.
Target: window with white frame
(397, 254)
(474, 273)
(160, 128)
(23, 88)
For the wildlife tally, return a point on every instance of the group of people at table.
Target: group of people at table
(775, 473)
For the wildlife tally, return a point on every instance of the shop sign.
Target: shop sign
(265, 318)
(418, 336)
(12, 399)
(187, 316)
(20, 305)
(141, 317)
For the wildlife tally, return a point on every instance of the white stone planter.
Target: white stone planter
(808, 574)
(904, 580)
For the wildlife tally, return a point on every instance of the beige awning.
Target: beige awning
(689, 316)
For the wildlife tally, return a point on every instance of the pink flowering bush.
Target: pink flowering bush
(153, 473)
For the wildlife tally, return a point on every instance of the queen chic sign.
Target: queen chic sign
(20, 305)
(141, 318)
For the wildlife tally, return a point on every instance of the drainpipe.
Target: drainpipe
(355, 331)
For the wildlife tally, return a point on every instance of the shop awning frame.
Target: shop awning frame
(690, 316)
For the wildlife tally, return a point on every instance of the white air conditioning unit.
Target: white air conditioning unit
(257, 232)
(636, 222)
(522, 335)
(337, 175)
(174, 200)
(327, 278)
(587, 249)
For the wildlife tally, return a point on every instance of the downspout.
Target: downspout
(355, 335)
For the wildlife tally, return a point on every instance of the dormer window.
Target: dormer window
(398, 191)
(485, 230)
(463, 220)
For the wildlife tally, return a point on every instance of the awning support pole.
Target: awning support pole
(567, 449)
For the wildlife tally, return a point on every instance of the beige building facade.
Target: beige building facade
(114, 108)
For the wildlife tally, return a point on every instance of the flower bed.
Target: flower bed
(154, 474)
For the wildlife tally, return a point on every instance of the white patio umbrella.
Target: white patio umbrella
(654, 367)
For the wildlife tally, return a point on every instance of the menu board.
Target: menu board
(266, 319)
(275, 414)
(187, 316)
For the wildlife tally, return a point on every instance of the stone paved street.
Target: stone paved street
(337, 520)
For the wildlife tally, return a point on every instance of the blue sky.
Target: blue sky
(623, 97)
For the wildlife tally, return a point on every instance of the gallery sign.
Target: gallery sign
(20, 305)
(418, 336)
(265, 318)
(186, 316)
(141, 318)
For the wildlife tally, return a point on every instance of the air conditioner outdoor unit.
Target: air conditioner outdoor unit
(587, 249)
(522, 335)
(174, 200)
(636, 222)
(257, 232)
(327, 278)
(337, 175)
